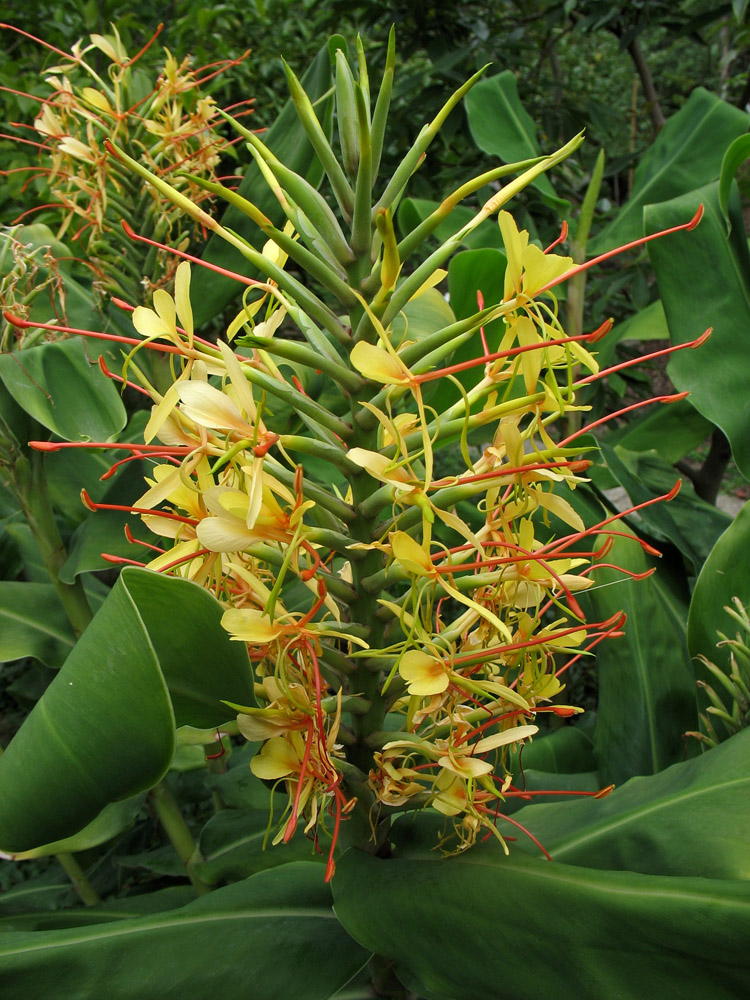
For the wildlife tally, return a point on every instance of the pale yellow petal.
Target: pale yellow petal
(211, 408)
(182, 298)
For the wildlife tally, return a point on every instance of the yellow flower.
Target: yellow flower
(528, 269)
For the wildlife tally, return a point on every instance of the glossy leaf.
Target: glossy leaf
(59, 386)
(686, 154)
(564, 750)
(692, 525)
(110, 822)
(275, 931)
(724, 576)
(157, 643)
(694, 300)
(236, 843)
(501, 126)
(116, 909)
(286, 138)
(33, 623)
(691, 819)
(672, 431)
(647, 324)
(483, 925)
(646, 685)
(737, 153)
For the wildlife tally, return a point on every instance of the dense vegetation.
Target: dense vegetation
(391, 542)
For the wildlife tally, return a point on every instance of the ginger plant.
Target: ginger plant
(407, 626)
(166, 120)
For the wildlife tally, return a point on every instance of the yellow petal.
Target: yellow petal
(182, 298)
(97, 98)
(504, 738)
(211, 408)
(410, 555)
(250, 625)
(148, 324)
(379, 365)
(540, 268)
(276, 759)
(425, 674)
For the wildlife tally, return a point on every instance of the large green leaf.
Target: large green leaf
(482, 925)
(672, 431)
(737, 154)
(155, 656)
(647, 324)
(116, 909)
(724, 576)
(691, 819)
(687, 266)
(58, 385)
(501, 126)
(286, 138)
(271, 936)
(562, 751)
(110, 822)
(646, 686)
(33, 623)
(689, 523)
(236, 843)
(686, 155)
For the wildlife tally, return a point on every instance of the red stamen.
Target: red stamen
(39, 41)
(89, 503)
(137, 541)
(628, 246)
(25, 324)
(497, 355)
(692, 344)
(673, 398)
(120, 379)
(560, 239)
(129, 231)
(135, 59)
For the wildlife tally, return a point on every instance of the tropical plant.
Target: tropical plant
(373, 551)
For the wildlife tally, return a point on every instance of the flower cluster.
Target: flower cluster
(394, 535)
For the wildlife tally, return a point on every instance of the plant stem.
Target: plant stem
(76, 875)
(169, 815)
(31, 485)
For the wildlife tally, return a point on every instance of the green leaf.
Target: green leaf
(110, 822)
(33, 623)
(286, 138)
(686, 265)
(689, 523)
(501, 126)
(561, 751)
(232, 846)
(273, 935)
(482, 925)
(724, 576)
(155, 656)
(686, 155)
(58, 386)
(424, 315)
(647, 324)
(117, 909)
(673, 431)
(737, 154)
(646, 686)
(691, 819)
